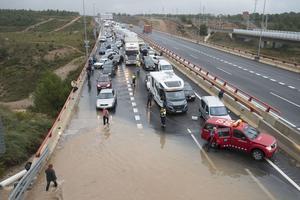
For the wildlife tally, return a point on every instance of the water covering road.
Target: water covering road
(135, 159)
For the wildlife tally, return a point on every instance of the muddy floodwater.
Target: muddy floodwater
(123, 163)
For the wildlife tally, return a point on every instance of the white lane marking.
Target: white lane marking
(135, 110)
(217, 58)
(245, 69)
(194, 56)
(265, 77)
(281, 83)
(130, 93)
(132, 98)
(223, 70)
(276, 95)
(272, 80)
(283, 174)
(286, 121)
(137, 117)
(234, 65)
(292, 87)
(128, 82)
(129, 85)
(130, 89)
(197, 95)
(190, 132)
(257, 74)
(133, 104)
(140, 126)
(201, 149)
(260, 184)
(239, 67)
(221, 60)
(251, 72)
(298, 129)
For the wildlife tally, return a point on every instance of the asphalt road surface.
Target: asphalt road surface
(134, 158)
(277, 87)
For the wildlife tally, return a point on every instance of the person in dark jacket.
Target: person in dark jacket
(149, 100)
(50, 176)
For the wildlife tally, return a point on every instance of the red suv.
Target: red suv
(239, 135)
(103, 82)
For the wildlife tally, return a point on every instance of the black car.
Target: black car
(102, 51)
(148, 63)
(109, 68)
(189, 92)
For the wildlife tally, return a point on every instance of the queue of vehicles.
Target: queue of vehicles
(171, 92)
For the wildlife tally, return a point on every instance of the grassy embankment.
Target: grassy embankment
(25, 56)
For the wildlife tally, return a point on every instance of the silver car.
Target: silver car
(107, 98)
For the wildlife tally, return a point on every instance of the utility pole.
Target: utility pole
(86, 42)
(200, 21)
(261, 30)
(254, 11)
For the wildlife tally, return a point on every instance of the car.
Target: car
(212, 106)
(107, 98)
(109, 68)
(102, 39)
(102, 50)
(238, 135)
(189, 92)
(99, 65)
(164, 65)
(148, 63)
(103, 82)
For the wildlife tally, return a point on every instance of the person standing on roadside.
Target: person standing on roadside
(149, 100)
(105, 115)
(74, 85)
(50, 176)
(212, 139)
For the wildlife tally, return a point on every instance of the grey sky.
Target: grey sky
(157, 6)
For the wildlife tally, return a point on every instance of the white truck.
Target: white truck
(168, 90)
(131, 48)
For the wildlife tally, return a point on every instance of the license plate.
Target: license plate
(178, 111)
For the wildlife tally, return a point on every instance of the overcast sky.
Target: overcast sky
(157, 6)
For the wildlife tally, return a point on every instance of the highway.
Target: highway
(134, 158)
(278, 88)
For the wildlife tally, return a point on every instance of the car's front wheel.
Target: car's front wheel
(257, 154)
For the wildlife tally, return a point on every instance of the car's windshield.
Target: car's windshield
(251, 132)
(166, 67)
(105, 96)
(175, 96)
(149, 61)
(218, 111)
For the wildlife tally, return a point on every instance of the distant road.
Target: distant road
(277, 87)
(37, 24)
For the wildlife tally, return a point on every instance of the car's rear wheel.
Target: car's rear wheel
(257, 154)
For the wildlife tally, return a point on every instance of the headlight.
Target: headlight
(269, 148)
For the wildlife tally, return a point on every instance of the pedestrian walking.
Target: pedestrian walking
(105, 115)
(50, 176)
(133, 80)
(149, 100)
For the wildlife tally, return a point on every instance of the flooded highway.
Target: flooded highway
(134, 158)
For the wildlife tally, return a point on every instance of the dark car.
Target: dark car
(109, 68)
(102, 50)
(103, 82)
(148, 63)
(189, 92)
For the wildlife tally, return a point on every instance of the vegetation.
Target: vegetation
(23, 133)
(203, 30)
(27, 61)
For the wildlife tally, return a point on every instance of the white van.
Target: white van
(164, 65)
(212, 106)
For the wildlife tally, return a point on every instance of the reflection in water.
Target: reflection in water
(106, 131)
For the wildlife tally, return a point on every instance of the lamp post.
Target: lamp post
(86, 42)
(261, 30)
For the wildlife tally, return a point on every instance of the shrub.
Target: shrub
(50, 94)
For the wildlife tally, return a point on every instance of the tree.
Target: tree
(50, 94)
(203, 30)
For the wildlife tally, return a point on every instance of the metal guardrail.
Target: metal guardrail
(26, 181)
(244, 98)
